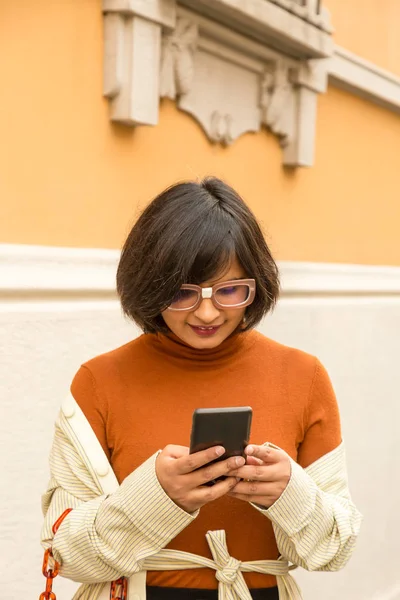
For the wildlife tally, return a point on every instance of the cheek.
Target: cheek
(235, 316)
(172, 319)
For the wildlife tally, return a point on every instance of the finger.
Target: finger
(252, 460)
(191, 462)
(259, 500)
(213, 471)
(205, 494)
(256, 488)
(261, 472)
(265, 453)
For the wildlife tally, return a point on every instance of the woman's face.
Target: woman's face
(207, 326)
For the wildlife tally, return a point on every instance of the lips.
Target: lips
(205, 331)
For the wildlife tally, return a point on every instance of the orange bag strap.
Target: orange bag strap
(50, 566)
(119, 588)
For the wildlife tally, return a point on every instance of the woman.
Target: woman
(287, 499)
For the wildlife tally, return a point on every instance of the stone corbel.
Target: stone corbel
(289, 107)
(132, 48)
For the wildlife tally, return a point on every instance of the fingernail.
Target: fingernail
(239, 461)
(219, 450)
(249, 450)
(238, 479)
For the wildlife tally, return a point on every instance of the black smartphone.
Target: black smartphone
(227, 427)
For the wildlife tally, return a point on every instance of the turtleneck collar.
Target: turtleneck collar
(174, 348)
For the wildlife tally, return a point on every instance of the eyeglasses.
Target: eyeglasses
(236, 293)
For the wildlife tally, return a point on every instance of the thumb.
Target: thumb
(174, 451)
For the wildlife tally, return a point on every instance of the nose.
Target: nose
(206, 312)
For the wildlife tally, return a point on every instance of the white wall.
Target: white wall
(57, 309)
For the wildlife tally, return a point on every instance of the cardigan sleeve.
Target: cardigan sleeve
(315, 522)
(105, 537)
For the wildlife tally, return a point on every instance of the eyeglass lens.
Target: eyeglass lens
(230, 295)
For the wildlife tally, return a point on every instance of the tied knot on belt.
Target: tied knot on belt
(228, 569)
(228, 573)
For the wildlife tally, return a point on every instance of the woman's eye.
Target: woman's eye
(183, 295)
(185, 298)
(228, 290)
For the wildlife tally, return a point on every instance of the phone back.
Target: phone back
(227, 427)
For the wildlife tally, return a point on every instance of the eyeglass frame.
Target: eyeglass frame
(209, 293)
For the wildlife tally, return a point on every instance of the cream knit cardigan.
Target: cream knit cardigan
(121, 530)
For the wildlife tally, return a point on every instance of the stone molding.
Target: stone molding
(27, 271)
(295, 27)
(231, 83)
(308, 10)
(41, 271)
(365, 79)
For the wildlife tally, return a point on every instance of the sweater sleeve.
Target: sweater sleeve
(93, 404)
(322, 419)
(315, 521)
(105, 537)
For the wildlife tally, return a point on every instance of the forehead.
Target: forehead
(234, 270)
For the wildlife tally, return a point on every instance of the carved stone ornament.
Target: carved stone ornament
(177, 54)
(277, 101)
(229, 82)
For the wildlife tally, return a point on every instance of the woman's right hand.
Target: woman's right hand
(184, 476)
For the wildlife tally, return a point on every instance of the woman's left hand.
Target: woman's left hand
(264, 477)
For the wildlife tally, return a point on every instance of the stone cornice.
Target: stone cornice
(295, 28)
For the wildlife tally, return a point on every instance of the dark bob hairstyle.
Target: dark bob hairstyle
(189, 234)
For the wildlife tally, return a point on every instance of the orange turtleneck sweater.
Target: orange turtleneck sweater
(140, 397)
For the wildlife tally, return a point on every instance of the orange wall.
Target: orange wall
(370, 28)
(71, 178)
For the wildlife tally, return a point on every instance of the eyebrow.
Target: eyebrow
(230, 279)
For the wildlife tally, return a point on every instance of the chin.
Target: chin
(207, 342)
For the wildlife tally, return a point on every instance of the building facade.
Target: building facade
(296, 104)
